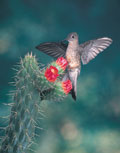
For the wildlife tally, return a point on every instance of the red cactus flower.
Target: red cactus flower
(67, 86)
(51, 74)
(62, 62)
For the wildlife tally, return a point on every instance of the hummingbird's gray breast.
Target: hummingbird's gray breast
(73, 56)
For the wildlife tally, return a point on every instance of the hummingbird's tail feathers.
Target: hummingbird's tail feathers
(66, 77)
(73, 94)
(73, 75)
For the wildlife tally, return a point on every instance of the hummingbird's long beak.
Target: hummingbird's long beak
(65, 41)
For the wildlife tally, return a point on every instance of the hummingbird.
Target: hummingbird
(75, 53)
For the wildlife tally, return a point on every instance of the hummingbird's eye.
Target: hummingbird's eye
(73, 36)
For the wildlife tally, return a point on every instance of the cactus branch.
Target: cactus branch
(32, 86)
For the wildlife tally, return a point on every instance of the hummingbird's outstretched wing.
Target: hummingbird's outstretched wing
(92, 48)
(54, 49)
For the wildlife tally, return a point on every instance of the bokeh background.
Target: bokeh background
(92, 124)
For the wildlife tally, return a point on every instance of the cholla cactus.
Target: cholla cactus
(32, 86)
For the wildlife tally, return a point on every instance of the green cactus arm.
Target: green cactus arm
(31, 88)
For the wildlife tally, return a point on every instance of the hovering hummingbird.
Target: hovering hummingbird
(74, 54)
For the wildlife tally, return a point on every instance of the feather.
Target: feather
(54, 49)
(92, 48)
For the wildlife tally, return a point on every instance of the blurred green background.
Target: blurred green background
(92, 124)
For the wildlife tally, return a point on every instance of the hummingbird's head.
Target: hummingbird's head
(72, 37)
